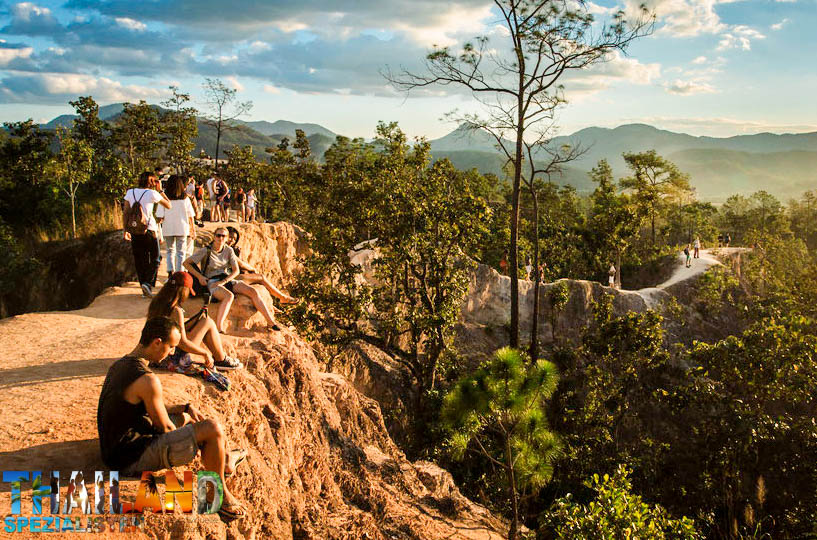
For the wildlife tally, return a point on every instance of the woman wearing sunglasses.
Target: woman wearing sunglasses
(216, 267)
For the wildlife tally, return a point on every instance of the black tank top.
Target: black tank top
(125, 429)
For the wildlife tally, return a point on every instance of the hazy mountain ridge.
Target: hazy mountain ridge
(782, 164)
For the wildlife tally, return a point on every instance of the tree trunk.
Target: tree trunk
(617, 281)
(652, 220)
(218, 141)
(512, 485)
(534, 331)
(513, 263)
(73, 212)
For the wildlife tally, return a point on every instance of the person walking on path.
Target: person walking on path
(689, 260)
(211, 196)
(251, 200)
(503, 263)
(177, 224)
(611, 276)
(240, 204)
(145, 246)
(697, 246)
(720, 240)
(728, 239)
(528, 269)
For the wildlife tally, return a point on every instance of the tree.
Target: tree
(499, 413)
(87, 126)
(71, 168)
(224, 108)
(654, 179)
(180, 126)
(26, 198)
(520, 87)
(136, 133)
(613, 221)
(616, 512)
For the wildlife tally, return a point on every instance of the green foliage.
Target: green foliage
(71, 168)
(180, 129)
(717, 287)
(655, 182)
(499, 412)
(615, 512)
(136, 134)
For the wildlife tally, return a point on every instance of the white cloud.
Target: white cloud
(7, 55)
(58, 87)
(739, 36)
(233, 82)
(259, 46)
(270, 89)
(688, 88)
(682, 18)
(25, 10)
(580, 84)
(700, 60)
(131, 24)
(778, 26)
(457, 20)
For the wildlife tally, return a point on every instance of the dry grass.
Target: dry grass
(92, 219)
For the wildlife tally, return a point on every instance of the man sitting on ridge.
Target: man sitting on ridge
(137, 432)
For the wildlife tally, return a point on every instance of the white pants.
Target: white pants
(176, 253)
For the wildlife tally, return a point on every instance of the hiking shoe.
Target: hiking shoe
(229, 363)
(147, 290)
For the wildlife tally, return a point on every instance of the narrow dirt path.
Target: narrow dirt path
(708, 259)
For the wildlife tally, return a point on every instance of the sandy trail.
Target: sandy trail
(708, 258)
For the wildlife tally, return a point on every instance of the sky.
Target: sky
(710, 67)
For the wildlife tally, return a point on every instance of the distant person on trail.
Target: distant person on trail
(177, 224)
(540, 272)
(138, 432)
(198, 198)
(728, 239)
(503, 263)
(528, 269)
(689, 260)
(217, 269)
(145, 246)
(250, 275)
(222, 194)
(611, 276)
(240, 202)
(720, 240)
(251, 200)
(211, 195)
(199, 335)
(697, 246)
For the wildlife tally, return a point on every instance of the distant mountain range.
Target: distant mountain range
(785, 165)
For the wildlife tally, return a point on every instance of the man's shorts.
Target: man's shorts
(171, 449)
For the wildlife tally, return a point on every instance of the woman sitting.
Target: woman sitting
(218, 270)
(196, 330)
(250, 275)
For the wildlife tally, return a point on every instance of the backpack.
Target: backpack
(135, 220)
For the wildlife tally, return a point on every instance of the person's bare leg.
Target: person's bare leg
(273, 290)
(252, 294)
(225, 302)
(206, 331)
(212, 440)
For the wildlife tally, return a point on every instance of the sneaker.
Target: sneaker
(147, 290)
(229, 363)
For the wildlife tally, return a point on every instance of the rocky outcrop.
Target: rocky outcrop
(70, 274)
(321, 463)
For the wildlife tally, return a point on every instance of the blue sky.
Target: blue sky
(711, 67)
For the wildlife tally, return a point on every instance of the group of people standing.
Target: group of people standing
(221, 198)
(531, 273)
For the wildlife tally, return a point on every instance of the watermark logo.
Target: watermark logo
(99, 500)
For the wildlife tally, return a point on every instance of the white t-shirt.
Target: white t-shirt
(190, 189)
(210, 183)
(147, 199)
(250, 201)
(176, 218)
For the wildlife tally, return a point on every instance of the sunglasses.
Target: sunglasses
(221, 236)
